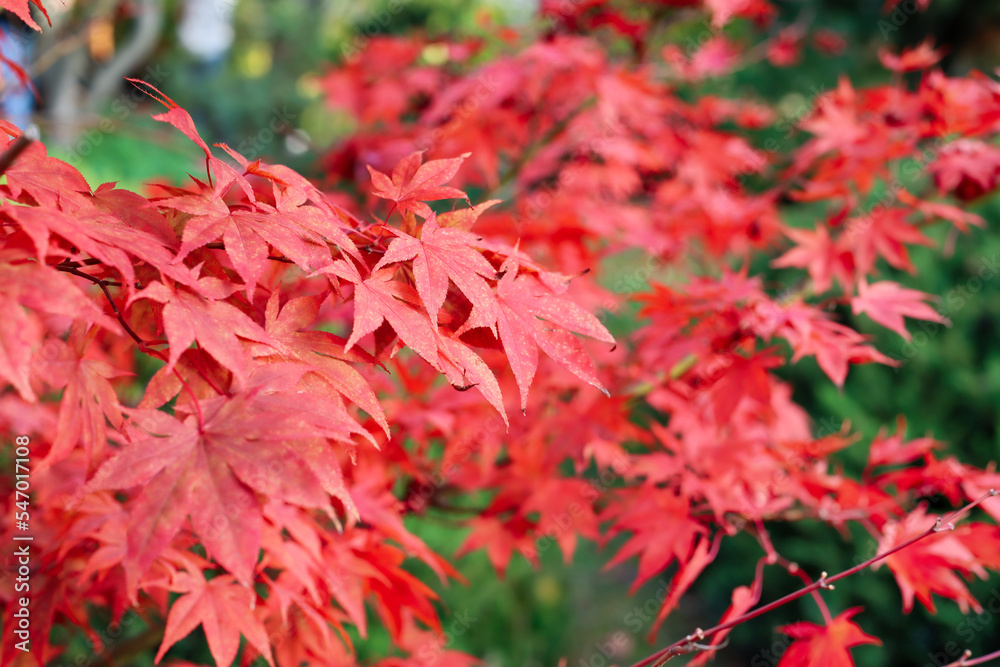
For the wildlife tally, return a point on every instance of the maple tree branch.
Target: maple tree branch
(143, 346)
(76, 264)
(682, 646)
(72, 268)
(103, 284)
(276, 258)
(965, 662)
(796, 571)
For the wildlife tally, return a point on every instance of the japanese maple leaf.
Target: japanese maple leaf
(440, 254)
(225, 175)
(744, 378)
(464, 218)
(180, 477)
(378, 298)
(413, 183)
(743, 599)
(45, 178)
(812, 332)
(910, 60)
(28, 289)
(464, 368)
(499, 540)
(247, 235)
(886, 234)
(23, 10)
(661, 529)
(223, 608)
(954, 214)
(216, 325)
(322, 351)
(526, 320)
(264, 441)
(971, 162)
(101, 236)
(825, 645)
(929, 566)
(88, 399)
(892, 450)
(813, 251)
(886, 303)
(691, 567)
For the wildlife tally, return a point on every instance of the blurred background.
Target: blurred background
(251, 73)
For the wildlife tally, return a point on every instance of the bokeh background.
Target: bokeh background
(251, 73)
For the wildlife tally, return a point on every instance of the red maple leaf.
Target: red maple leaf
(887, 303)
(209, 471)
(529, 312)
(413, 183)
(930, 565)
(440, 254)
(321, 351)
(27, 290)
(23, 10)
(377, 299)
(911, 60)
(892, 450)
(224, 610)
(216, 325)
(825, 645)
(816, 252)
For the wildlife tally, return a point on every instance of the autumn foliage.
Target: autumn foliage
(335, 356)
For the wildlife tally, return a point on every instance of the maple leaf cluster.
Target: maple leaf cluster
(232, 282)
(615, 160)
(320, 377)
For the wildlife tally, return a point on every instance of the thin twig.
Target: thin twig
(682, 646)
(964, 661)
(103, 284)
(276, 258)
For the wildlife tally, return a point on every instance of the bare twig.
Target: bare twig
(684, 645)
(965, 661)
(68, 267)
